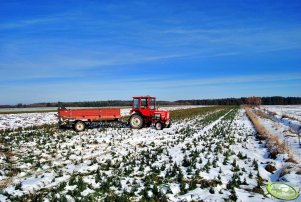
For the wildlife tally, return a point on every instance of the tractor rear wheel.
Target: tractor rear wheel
(159, 126)
(79, 126)
(136, 121)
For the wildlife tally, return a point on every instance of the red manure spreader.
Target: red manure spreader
(143, 113)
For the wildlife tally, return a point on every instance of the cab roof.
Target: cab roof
(147, 96)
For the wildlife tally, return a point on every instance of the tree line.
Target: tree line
(275, 100)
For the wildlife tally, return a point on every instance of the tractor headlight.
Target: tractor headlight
(158, 116)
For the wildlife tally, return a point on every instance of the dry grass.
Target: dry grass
(261, 114)
(299, 171)
(271, 112)
(4, 183)
(289, 117)
(285, 170)
(274, 144)
(283, 115)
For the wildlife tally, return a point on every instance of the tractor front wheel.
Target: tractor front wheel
(169, 124)
(136, 121)
(159, 126)
(79, 126)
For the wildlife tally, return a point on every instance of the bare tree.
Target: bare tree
(255, 101)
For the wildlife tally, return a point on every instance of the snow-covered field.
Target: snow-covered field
(285, 122)
(28, 109)
(293, 111)
(9, 121)
(214, 156)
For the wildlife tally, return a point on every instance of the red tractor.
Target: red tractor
(144, 113)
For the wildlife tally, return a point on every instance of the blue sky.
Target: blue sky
(100, 50)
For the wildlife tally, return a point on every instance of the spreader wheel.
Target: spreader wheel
(159, 126)
(136, 121)
(79, 126)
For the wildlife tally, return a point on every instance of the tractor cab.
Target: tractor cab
(144, 105)
(144, 112)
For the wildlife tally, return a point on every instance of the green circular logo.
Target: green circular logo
(282, 191)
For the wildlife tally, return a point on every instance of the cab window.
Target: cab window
(144, 103)
(136, 103)
(152, 103)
